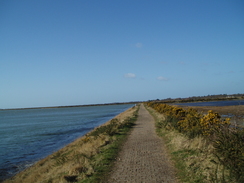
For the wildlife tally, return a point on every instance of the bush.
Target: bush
(228, 141)
(229, 149)
(190, 124)
(212, 121)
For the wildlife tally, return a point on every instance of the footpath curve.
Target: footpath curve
(143, 158)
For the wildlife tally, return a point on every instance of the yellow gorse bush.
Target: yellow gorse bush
(190, 121)
(211, 121)
(228, 141)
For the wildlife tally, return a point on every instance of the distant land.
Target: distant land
(207, 98)
(219, 97)
(86, 105)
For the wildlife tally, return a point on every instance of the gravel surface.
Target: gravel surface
(143, 158)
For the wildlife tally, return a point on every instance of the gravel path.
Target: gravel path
(143, 158)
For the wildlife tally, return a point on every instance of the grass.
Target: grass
(103, 162)
(193, 157)
(88, 159)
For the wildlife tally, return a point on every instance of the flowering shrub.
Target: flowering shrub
(212, 121)
(228, 141)
(190, 123)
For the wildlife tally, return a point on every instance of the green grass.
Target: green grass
(213, 156)
(186, 173)
(185, 156)
(87, 159)
(104, 161)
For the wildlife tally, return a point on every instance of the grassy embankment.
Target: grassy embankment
(88, 159)
(204, 147)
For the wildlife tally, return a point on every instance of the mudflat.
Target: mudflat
(143, 157)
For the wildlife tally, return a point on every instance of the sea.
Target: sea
(28, 135)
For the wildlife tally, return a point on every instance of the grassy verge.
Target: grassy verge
(193, 157)
(103, 162)
(88, 159)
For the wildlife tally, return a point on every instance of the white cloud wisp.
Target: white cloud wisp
(161, 78)
(138, 45)
(130, 75)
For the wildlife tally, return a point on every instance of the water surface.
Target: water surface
(27, 135)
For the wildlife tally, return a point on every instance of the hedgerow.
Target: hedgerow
(227, 140)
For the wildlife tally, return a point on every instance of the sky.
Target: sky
(75, 52)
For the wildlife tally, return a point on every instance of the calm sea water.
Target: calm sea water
(29, 135)
(214, 103)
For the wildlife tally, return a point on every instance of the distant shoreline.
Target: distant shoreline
(69, 106)
(209, 98)
(75, 146)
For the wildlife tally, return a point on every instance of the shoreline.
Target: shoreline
(69, 147)
(70, 106)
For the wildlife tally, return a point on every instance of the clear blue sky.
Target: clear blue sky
(62, 52)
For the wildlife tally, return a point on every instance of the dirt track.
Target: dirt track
(143, 158)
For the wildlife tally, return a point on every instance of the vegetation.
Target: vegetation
(206, 148)
(88, 159)
(220, 97)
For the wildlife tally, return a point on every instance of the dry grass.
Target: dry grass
(193, 157)
(73, 162)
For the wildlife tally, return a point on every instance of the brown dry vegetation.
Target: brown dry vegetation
(75, 161)
(191, 156)
(206, 148)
